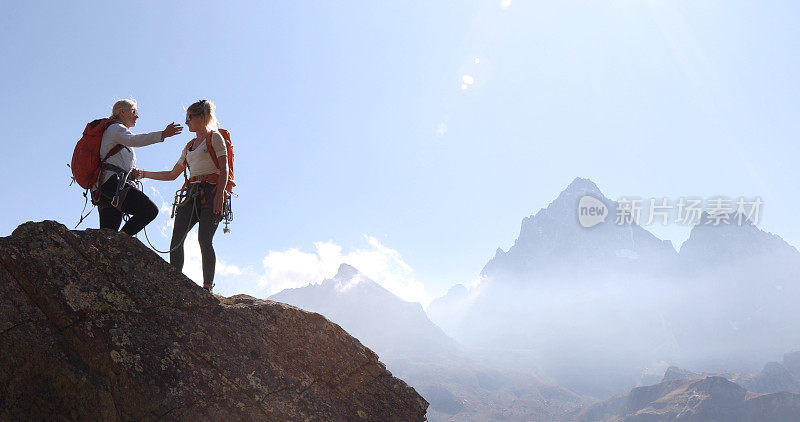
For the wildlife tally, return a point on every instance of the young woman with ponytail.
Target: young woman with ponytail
(205, 195)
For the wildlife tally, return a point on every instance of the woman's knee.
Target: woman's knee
(150, 211)
(206, 244)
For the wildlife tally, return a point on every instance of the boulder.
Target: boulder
(95, 326)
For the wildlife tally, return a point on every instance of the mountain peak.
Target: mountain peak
(583, 186)
(730, 237)
(566, 203)
(555, 238)
(346, 271)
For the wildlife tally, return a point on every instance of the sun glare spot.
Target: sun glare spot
(441, 130)
(467, 80)
(505, 3)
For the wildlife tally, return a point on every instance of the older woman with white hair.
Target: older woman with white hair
(114, 193)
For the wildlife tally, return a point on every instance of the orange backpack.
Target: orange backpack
(213, 178)
(86, 162)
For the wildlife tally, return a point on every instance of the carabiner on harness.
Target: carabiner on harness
(122, 179)
(183, 196)
(227, 213)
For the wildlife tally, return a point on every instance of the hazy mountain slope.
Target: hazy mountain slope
(459, 385)
(382, 321)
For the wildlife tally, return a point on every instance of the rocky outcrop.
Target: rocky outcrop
(774, 378)
(674, 373)
(94, 326)
(791, 361)
(706, 399)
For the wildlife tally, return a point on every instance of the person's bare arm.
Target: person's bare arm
(219, 197)
(164, 175)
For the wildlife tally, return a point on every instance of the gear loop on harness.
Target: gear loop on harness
(122, 180)
(182, 197)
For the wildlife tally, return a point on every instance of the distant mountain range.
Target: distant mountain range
(594, 310)
(614, 299)
(711, 398)
(775, 377)
(552, 242)
(771, 395)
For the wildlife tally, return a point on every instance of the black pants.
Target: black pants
(198, 209)
(136, 204)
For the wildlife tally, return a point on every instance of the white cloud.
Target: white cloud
(227, 269)
(192, 260)
(294, 268)
(164, 213)
(477, 283)
(350, 284)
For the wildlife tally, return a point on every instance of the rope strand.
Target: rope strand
(184, 196)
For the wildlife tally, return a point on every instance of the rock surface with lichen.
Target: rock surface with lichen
(95, 326)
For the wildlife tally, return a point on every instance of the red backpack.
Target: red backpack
(229, 147)
(86, 162)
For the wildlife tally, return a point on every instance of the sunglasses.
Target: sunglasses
(189, 116)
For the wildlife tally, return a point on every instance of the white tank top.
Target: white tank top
(199, 159)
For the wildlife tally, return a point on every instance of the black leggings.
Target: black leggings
(136, 204)
(186, 217)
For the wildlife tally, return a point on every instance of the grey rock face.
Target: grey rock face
(95, 326)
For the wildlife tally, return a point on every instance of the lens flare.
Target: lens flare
(441, 130)
(505, 3)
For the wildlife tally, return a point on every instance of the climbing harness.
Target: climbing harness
(187, 195)
(97, 195)
(78, 166)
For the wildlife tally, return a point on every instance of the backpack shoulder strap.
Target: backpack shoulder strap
(186, 162)
(210, 148)
(188, 144)
(116, 149)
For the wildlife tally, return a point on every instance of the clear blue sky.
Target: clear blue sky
(350, 121)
